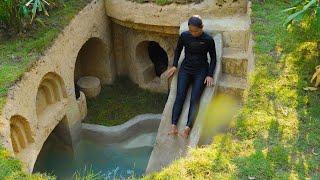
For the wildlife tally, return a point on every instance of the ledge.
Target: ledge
(171, 15)
(145, 122)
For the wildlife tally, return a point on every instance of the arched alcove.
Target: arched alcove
(50, 91)
(59, 140)
(91, 60)
(151, 59)
(20, 133)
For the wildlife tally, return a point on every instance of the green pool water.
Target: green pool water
(117, 160)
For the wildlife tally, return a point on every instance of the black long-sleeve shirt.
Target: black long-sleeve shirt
(196, 49)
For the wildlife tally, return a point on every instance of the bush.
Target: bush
(18, 15)
(11, 15)
(303, 9)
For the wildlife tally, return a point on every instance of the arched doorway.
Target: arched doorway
(91, 60)
(151, 59)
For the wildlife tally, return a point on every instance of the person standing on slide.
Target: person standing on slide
(195, 70)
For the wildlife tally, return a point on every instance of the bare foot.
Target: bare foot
(185, 132)
(174, 130)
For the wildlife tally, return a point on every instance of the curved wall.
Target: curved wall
(172, 15)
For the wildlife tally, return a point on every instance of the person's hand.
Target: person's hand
(209, 81)
(171, 72)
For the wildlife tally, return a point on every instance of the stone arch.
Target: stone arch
(20, 133)
(92, 60)
(50, 91)
(145, 65)
(59, 137)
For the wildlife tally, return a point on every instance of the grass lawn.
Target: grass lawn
(17, 54)
(277, 133)
(121, 101)
(10, 169)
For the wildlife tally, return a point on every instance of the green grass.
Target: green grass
(277, 133)
(17, 54)
(121, 101)
(163, 2)
(8, 165)
(11, 169)
(88, 174)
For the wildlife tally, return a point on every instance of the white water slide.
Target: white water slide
(168, 148)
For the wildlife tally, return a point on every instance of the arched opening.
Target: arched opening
(91, 60)
(152, 60)
(56, 148)
(158, 56)
(50, 91)
(20, 133)
(91, 63)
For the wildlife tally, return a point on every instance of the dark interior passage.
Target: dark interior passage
(57, 145)
(158, 56)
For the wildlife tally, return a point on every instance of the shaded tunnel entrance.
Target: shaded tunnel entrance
(158, 56)
(57, 148)
(151, 59)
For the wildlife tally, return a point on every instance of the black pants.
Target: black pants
(184, 80)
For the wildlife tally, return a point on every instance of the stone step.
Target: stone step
(235, 62)
(237, 22)
(235, 30)
(232, 85)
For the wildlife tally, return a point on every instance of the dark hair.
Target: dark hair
(195, 20)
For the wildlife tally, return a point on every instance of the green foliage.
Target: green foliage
(121, 101)
(18, 15)
(12, 14)
(255, 165)
(11, 169)
(87, 174)
(163, 2)
(34, 7)
(8, 165)
(301, 9)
